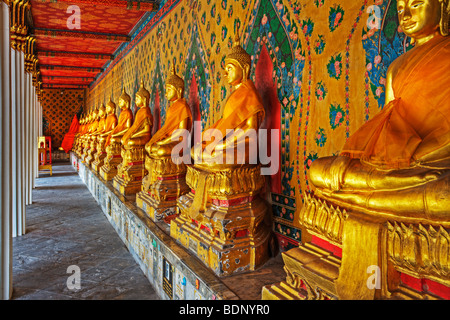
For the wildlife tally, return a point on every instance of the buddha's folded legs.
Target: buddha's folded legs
(343, 173)
(428, 201)
(138, 142)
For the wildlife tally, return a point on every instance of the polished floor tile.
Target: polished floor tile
(66, 227)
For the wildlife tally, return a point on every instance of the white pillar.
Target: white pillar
(30, 139)
(18, 214)
(33, 134)
(22, 160)
(26, 139)
(15, 165)
(5, 157)
(35, 138)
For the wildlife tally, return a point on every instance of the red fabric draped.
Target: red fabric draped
(70, 135)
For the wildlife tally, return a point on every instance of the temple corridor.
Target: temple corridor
(65, 227)
(225, 150)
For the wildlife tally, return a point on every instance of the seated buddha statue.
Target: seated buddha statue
(113, 145)
(225, 210)
(131, 171)
(178, 116)
(399, 161)
(125, 120)
(78, 134)
(110, 124)
(94, 135)
(81, 136)
(89, 134)
(243, 112)
(165, 180)
(380, 202)
(140, 132)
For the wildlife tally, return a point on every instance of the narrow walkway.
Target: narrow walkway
(66, 227)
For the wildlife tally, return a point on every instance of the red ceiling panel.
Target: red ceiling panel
(92, 18)
(44, 43)
(103, 28)
(81, 62)
(59, 73)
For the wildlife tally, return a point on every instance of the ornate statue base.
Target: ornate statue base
(91, 152)
(224, 220)
(112, 160)
(378, 251)
(164, 183)
(86, 149)
(80, 147)
(99, 157)
(131, 171)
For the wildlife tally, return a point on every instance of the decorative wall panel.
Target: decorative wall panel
(328, 61)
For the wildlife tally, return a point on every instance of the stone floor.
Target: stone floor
(66, 227)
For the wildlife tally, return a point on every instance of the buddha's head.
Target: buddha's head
(101, 111)
(110, 107)
(124, 100)
(237, 64)
(421, 19)
(142, 96)
(174, 86)
(95, 114)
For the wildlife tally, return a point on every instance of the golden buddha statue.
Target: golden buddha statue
(225, 215)
(131, 171)
(165, 180)
(88, 136)
(110, 124)
(113, 142)
(94, 135)
(81, 137)
(388, 190)
(78, 134)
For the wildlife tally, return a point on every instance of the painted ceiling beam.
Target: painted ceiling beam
(70, 68)
(64, 85)
(67, 77)
(137, 5)
(85, 55)
(55, 33)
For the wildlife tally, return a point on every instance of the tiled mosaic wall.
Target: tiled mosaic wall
(326, 61)
(59, 107)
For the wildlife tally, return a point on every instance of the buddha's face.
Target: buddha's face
(123, 104)
(109, 108)
(139, 101)
(419, 18)
(234, 73)
(171, 93)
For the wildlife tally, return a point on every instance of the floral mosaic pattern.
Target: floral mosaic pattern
(329, 67)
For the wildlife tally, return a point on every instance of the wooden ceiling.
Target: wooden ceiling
(76, 39)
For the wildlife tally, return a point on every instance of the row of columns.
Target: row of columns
(20, 126)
